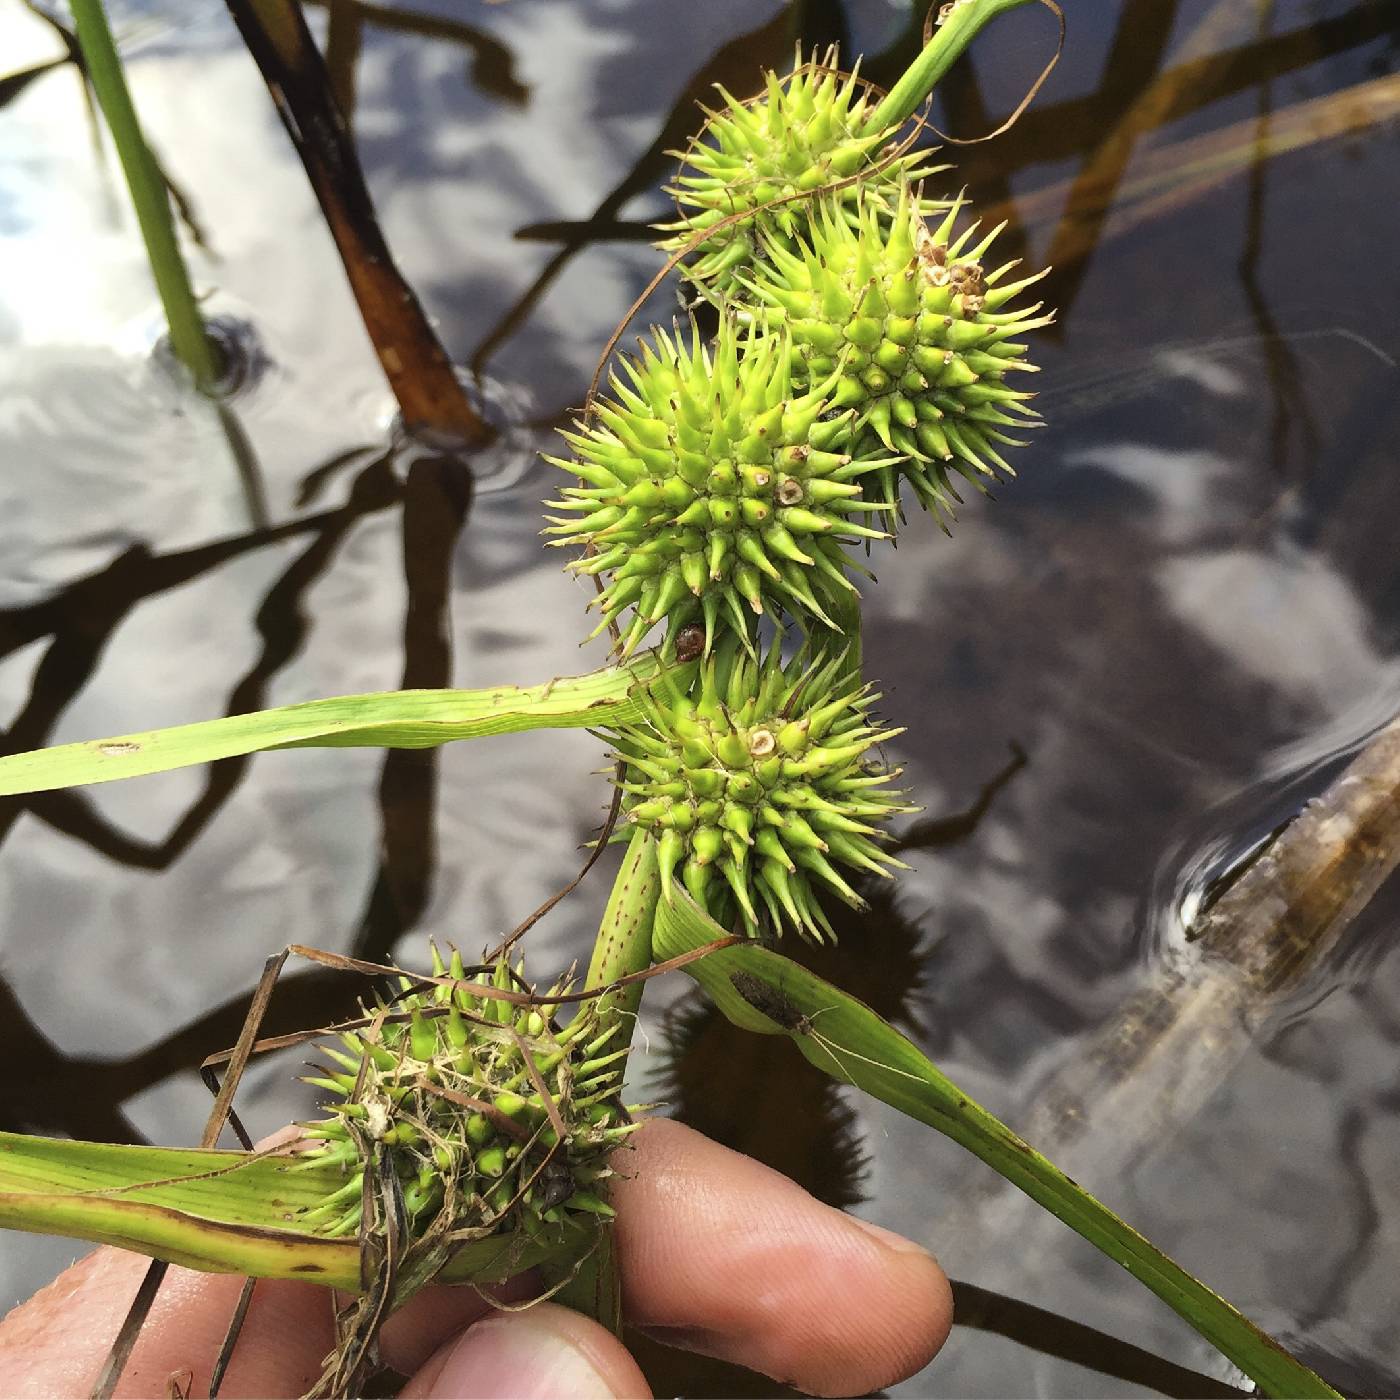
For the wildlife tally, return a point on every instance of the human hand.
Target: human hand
(719, 1255)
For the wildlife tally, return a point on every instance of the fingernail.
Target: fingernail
(283, 1137)
(517, 1355)
(898, 1243)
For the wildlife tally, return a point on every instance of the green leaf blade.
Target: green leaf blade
(219, 1212)
(409, 719)
(848, 1040)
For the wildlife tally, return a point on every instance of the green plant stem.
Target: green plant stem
(594, 1286)
(964, 23)
(149, 196)
(624, 936)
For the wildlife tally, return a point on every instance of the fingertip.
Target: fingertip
(727, 1257)
(539, 1353)
(923, 1281)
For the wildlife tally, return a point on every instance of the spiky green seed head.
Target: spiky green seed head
(441, 1078)
(760, 786)
(805, 132)
(918, 331)
(710, 491)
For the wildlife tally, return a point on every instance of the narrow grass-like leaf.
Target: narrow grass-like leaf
(220, 1212)
(399, 719)
(845, 1038)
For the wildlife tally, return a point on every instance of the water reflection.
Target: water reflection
(1181, 614)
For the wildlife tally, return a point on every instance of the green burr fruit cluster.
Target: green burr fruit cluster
(758, 784)
(492, 1117)
(711, 489)
(917, 334)
(807, 131)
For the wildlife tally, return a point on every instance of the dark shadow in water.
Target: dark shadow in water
(53, 1094)
(12, 84)
(933, 833)
(671, 1371)
(83, 617)
(733, 63)
(579, 234)
(245, 461)
(753, 1094)
(436, 503)
(1286, 381)
(1054, 1335)
(491, 69)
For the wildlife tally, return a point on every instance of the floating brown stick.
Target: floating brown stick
(1152, 1065)
(1299, 895)
(420, 374)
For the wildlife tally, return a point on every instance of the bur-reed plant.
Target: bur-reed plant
(862, 344)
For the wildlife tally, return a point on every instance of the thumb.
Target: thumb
(541, 1353)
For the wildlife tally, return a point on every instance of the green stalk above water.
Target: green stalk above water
(148, 194)
(965, 20)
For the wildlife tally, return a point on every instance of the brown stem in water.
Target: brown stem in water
(415, 363)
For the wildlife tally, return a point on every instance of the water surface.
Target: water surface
(1183, 615)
